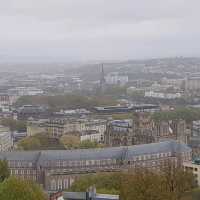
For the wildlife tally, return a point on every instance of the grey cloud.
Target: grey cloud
(98, 29)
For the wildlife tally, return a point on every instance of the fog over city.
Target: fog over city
(99, 100)
(85, 30)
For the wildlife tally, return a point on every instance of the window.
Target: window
(59, 184)
(58, 164)
(65, 184)
(71, 180)
(53, 184)
(30, 164)
(65, 163)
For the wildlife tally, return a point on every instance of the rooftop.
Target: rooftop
(93, 154)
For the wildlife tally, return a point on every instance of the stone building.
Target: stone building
(57, 169)
(93, 136)
(147, 130)
(172, 129)
(119, 133)
(36, 127)
(6, 142)
(60, 126)
(143, 129)
(193, 167)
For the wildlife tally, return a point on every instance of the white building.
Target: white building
(25, 91)
(173, 82)
(93, 136)
(96, 125)
(193, 167)
(193, 83)
(5, 139)
(6, 101)
(132, 90)
(162, 95)
(115, 78)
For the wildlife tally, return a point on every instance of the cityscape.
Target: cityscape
(99, 100)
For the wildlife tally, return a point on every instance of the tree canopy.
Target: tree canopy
(187, 114)
(144, 184)
(70, 141)
(40, 141)
(4, 170)
(104, 182)
(17, 189)
(73, 142)
(14, 125)
(67, 101)
(172, 183)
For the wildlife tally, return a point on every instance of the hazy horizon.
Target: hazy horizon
(95, 30)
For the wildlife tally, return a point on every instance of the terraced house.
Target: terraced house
(57, 170)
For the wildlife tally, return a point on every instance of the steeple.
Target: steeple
(102, 78)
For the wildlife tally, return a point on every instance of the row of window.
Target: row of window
(152, 156)
(149, 163)
(80, 163)
(15, 163)
(61, 184)
(22, 172)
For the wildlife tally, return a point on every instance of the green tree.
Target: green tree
(171, 183)
(40, 141)
(4, 170)
(104, 183)
(123, 116)
(29, 143)
(177, 181)
(87, 144)
(67, 101)
(17, 189)
(14, 125)
(142, 185)
(70, 141)
(187, 114)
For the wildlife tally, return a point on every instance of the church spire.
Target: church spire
(102, 78)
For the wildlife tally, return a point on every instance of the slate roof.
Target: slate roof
(161, 147)
(92, 154)
(81, 154)
(20, 155)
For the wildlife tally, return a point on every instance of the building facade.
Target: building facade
(5, 141)
(163, 95)
(193, 83)
(119, 133)
(116, 79)
(93, 136)
(62, 126)
(147, 130)
(143, 130)
(193, 167)
(57, 170)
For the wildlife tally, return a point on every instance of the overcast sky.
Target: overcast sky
(81, 30)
